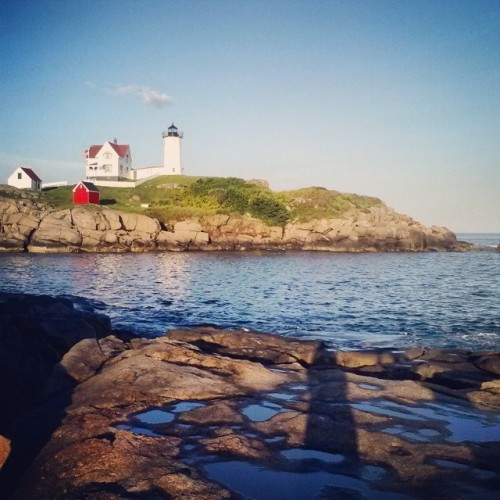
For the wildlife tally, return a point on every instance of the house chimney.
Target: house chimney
(115, 141)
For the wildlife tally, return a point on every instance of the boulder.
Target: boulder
(261, 347)
(188, 233)
(56, 232)
(18, 220)
(4, 450)
(83, 219)
(8, 207)
(11, 244)
(167, 240)
(111, 220)
(140, 223)
(30, 220)
(190, 226)
(489, 362)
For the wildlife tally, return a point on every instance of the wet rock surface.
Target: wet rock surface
(206, 413)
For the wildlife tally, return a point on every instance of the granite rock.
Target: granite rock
(152, 417)
(4, 450)
(26, 224)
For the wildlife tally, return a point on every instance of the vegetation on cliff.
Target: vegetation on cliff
(209, 214)
(169, 198)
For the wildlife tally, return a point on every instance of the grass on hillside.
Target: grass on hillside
(175, 198)
(320, 203)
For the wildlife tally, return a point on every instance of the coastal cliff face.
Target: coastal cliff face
(28, 225)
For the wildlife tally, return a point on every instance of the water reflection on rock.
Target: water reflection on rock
(252, 481)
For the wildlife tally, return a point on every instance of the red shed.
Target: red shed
(85, 192)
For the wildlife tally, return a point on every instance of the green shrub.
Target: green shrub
(319, 203)
(267, 208)
(205, 185)
(236, 200)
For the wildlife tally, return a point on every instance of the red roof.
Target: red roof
(31, 174)
(120, 149)
(93, 150)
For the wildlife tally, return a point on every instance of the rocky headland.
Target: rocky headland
(90, 413)
(27, 224)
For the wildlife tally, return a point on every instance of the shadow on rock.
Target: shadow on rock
(207, 413)
(330, 423)
(36, 333)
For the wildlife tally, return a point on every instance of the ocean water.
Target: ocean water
(348, 300)
(488, 239)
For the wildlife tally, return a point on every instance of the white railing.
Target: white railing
(121, 184)
(54, 184)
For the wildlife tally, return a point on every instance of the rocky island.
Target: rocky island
(236, 216)
(91, 413)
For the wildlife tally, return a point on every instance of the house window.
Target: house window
(19, 175)
(107, 168)
(107, 156)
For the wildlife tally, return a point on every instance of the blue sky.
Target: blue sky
(396, 99)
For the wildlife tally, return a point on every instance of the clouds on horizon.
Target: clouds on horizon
(146, 94)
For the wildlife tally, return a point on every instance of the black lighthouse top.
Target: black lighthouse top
(172, 131)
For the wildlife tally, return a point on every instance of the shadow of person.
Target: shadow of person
(398, 433)
(331, 426)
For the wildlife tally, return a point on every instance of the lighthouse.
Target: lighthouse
(172, 151)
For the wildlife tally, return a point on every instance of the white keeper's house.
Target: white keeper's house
(109, 162)
(112, 162)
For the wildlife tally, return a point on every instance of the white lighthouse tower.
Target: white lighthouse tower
(172, 151)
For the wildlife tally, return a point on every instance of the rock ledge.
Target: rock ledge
(28, 225)
(207, 413)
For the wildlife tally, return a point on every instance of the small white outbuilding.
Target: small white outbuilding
(25, 178)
